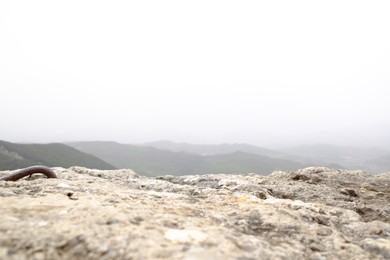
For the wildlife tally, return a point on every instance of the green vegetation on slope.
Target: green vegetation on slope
(152, 162)
(15, 156)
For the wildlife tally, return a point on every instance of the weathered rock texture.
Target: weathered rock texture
(314, 213)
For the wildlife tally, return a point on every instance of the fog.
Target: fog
(269, 73)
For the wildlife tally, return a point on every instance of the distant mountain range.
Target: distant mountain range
(205, 150)
(152, 161)
(380, 164)
(370, 159)
(15, 156)
(365, 158)
(165, 157)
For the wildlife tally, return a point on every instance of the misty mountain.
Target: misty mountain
(348, 156)
(233, 148)
(242, 162)
(15, 156)
(181, 159)
(380, 164)
(202, 149)
(152, 162)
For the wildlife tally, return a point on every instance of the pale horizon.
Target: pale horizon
(264, 73)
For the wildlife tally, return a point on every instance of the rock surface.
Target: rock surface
(313, 213)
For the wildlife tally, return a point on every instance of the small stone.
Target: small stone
(349, 192)
(376, 231)
(255, 218)
(63, 185)
(136, 220)
(196, 253)
(112, 221)
(316, 247)
(322, 220)
(63, 212)
(260, 194)
(43, 223)
(185, 236)
(7, 193)
(323, 231)
(317, 256)
(378, 246)
(71, 196)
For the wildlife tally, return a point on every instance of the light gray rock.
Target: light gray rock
(313, 213)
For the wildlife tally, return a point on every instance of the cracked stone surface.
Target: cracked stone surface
(312, 213)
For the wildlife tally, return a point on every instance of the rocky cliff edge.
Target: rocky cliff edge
(313, 213)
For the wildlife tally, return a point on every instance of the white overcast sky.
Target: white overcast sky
(260, 72)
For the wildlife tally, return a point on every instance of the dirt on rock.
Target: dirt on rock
(312, 213)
